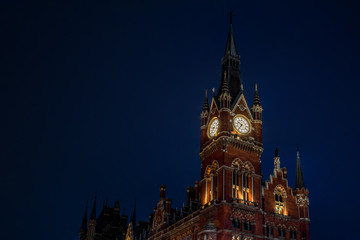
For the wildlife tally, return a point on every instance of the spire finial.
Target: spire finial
(83, 224)
(231, 15)
(297, 152)
(276, 161)
(133, 219)
(93, 212)
(206, 102)
(299, 181)
(256, 100)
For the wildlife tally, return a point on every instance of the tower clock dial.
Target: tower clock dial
(241, 124)
(213, 127)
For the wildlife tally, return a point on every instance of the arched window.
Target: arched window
(280, 196)
(292, 234)
(269, 231)
(211, 187)
(281, 232)
(236, 175)
(247, 182)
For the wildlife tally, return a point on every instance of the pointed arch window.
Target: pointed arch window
(245, 184)
(211, 187)
(236, 178)
(280, 197)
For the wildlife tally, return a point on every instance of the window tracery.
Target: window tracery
(280, 197)
(211, 181)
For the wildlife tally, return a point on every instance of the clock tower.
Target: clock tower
(232, 200)
(231, 136)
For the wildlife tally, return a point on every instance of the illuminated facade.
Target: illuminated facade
(232, 200)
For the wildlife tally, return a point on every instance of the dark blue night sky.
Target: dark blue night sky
(107, 95)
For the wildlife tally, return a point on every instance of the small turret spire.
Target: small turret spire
(93, 212)
(84, 221)
(133, 218)
(206, 102)
(224, 94)
(256, 101)
(299, 181)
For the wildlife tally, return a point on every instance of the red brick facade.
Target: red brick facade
(232, 200)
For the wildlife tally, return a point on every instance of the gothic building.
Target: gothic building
(231, 200)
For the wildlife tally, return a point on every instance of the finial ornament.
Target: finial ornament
(276, 161)
(230, 15)
(205, 92)
(255, 86)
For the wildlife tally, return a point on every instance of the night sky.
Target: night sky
(107, 95)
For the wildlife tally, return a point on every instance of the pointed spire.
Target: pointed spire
(206, 102)
(230, 66)
(299, 181)
(276, 152)
(84, 221)
(256, 100)
(224, 94)
(230, 43)
(93, 212)
(133, 218)
(224, 87)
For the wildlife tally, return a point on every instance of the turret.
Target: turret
(83, 228)
(302, 199)
(133, 219)
(92, 222)
(256, 107)
(224, 95)
(205, 111)
(257, 115)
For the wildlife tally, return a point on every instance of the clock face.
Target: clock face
(241, 124)
(214, 126)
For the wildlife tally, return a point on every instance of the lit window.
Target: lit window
(279, 200)
(235, 185)
(245, 185)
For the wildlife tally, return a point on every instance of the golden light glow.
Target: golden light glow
(213, 127)
(241, 124)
